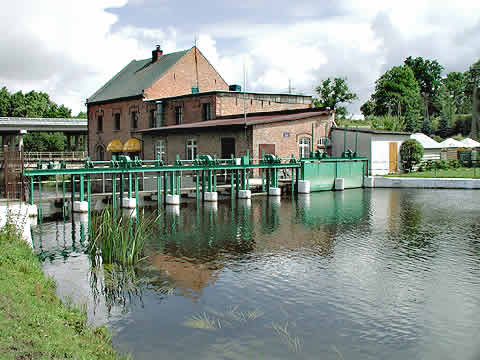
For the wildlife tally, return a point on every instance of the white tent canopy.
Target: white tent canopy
(452, 143)
(426, 141)
(470, 143)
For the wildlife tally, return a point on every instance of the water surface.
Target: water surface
(360, 274)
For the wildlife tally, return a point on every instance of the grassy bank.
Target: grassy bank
(34, 323)
(467, 173)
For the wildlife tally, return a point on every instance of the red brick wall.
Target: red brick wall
(192, 108)
(108, 134)
(231, 105)
(285, 146)
(208, 142)
(180, 79)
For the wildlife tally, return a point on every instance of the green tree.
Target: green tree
(17, 105)
(4, 102)
(334, 92)
(454, 84)
(396, 92)
(368, 108)
(44, 141)
(81, 115)
(411, 153)
(428, 74)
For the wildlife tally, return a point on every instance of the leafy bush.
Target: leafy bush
(429, 165)
(454, 164)
(411, 153)
(441, 165)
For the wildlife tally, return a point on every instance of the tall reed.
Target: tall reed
(118, 239)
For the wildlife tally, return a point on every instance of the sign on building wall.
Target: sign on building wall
(286, 134)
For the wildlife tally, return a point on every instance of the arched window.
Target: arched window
(100, 153)
(304, 147)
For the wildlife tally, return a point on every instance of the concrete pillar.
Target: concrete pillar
(274, 191)
(173, 199)
(244, 194)
(368, 182)
(80, 206)
(20, 140)
(211, 196)
(303, 187)
(340, 184)
(69, 143)
(129, 203)
(76, 143)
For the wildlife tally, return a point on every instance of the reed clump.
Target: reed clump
(118, 239)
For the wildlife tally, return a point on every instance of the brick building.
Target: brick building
(178, 104)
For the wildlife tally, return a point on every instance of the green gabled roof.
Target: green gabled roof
(135, 77)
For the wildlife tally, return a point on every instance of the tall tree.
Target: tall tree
(428, 74)
(368, 108)
(394, 90)
(333, 93)
(454, 84)
(4, 102)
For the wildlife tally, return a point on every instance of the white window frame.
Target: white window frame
(192, 149)
(322, 141)
(304, 146)
(160, 148)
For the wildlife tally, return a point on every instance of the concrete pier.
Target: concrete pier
(274, 191)
(80, 206)
(339, 184)
(303, 187)
(129, 203)
(211, 196)
(244, 194)
(368, 182)
(173, 199)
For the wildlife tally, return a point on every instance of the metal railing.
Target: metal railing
(55, 156)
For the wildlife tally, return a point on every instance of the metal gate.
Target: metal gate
(13, 180)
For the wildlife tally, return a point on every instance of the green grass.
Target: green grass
(34, 323)
(118, 239)
(467, 173)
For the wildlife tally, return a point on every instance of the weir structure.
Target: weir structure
(315, 173)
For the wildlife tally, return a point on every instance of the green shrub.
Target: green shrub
(441, 165)
(429, 165)
(411, 153)
(454, 164)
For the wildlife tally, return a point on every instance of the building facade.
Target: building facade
(282, 133)
(174, 104)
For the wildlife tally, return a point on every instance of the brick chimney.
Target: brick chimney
(156, 53)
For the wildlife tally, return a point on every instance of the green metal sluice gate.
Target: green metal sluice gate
(319, 169)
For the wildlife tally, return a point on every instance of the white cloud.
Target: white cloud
(70, 48)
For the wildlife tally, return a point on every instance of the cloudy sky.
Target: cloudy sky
(70, 48)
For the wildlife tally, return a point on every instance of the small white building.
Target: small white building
(431, 149)
(451, 147)
(470, 143)
(452, 143)
(381, 147)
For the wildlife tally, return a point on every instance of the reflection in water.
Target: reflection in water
(358, 274)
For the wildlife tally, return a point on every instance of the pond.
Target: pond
(360, 274)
